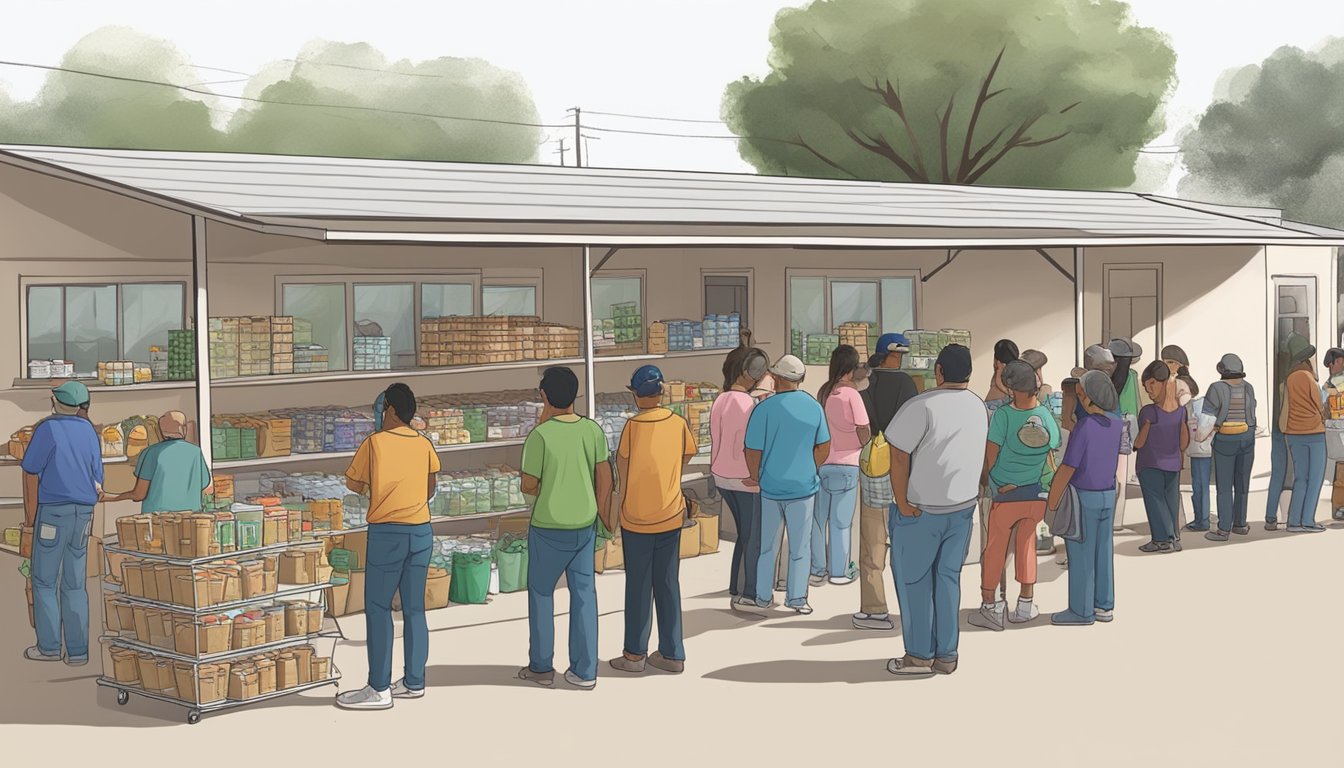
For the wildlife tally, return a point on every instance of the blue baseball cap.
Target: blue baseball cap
(647, 381)
(892, 342)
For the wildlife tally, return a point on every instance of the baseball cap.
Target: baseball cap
(955, 360)
(1231, 367)
(646, 381)
(789, 368)
(71, 393)
(1122, 347)
(892, 342)
(1035, 358)
(1299, 349)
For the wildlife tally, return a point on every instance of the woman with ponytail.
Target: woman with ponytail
(742, 370)
(833, 516)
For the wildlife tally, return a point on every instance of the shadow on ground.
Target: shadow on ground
(796, 672)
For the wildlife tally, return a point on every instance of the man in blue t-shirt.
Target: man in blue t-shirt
(62, 481)
(786, 441)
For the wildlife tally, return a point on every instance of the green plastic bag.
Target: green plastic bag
(511, 555)
(471, 578)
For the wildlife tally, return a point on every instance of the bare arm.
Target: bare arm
(1142, 439)
(1059, 484)
(753, 465)
(433, 485)
(603, 485)
(530, 485)
(1185, 440)
(991, 456)
(900, 482)
(138, 493)
(821, 452)
(864, 434)
(30, 483)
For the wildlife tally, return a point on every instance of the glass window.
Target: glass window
(853, 302)
(46, 323)
(807, 304)
(726, 295)
(391, 307)
(508, 300)
(148, 313)
(322, 306)
(898, 304)
(90, 326)
(446, 299)
(618, 310)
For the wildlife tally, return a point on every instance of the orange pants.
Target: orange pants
(1003, 517)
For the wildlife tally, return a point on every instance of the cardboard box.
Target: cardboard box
(294, 568)
(266, 682)
(248, 633)
(286, 671)
(244, 683)
(296, 619)
(690, 540)
(321, 669)
(354, 601)
(305, 654)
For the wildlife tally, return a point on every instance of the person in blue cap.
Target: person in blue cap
(655, 447)
(62, 481)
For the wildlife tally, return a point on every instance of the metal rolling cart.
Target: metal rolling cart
(191, 647)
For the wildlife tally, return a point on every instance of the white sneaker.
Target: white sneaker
(400, 691)
(579, 682)
(749, 606)
(816, 581)
(880, 622)
(988, 618)
(1018, 617)
(365, 698)
(802, 610)
(843, 581)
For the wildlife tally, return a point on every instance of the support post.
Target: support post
(1078, 307)
(201, 321)
(589, 373)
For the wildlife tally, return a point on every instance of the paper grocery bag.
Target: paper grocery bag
(615, 553)
(690, 540)
(709, 532)
(354, 600)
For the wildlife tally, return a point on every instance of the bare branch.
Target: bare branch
(891, 97)
(882, 148)
(799, 142)
(1018, 140)
(1043, 142)
(944, 120)
(964, 166)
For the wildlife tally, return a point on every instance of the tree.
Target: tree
(1039, 93)
(1275, 136)
(378, 109)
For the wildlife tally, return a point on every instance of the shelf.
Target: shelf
(154, 650)
(10, 461)
(293, 590)
(338, 376)
(196, 709)
(296, 458)
(664, 356)
(432, 521)
(37, 385)
(170, 560)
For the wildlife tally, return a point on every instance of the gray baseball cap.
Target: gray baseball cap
(1122, 347)
(1232, 367)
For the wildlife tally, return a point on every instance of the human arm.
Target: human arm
(754, 444)
(1185, 440)
(859, 415)
(900, 483)
(991, 456)
(998, 434)
(753, 465)
(602, 486)
(820, 453)
(1142, 439)
(136, 494)
(1057, 486)
(360, 471)
(1146, 419)
(621, 486)
(821, 444)
(529, 485)
(533, 453)
(30, 484)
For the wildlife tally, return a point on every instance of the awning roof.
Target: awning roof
(342, 199)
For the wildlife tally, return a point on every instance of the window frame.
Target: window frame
(749, 274)
(853, 276)
(510, 282)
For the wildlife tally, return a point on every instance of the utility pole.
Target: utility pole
(561, 152)
(578, 138)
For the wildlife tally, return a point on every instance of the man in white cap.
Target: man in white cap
(787, 441)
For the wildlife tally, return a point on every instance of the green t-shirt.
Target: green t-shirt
(177, 474)
(563, 453)
(1129, 399)
(1020, 464)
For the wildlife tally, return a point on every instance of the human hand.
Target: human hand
(909, 510)
(1007, 489)
(751, 483)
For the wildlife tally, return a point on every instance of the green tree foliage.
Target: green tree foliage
(1275, 135)
(1039, 93)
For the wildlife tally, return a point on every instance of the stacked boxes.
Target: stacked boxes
(658, 338)
(310, 358)
(722, 331)
(282, 345)
(856, 335)
(116, 373)
(303, 332)
(819, 348)
(625, 327)
(684, 335)
(373, 353)
(254, 349)
(224, 341)
(449, 341)
(182, 355)
(158, 363)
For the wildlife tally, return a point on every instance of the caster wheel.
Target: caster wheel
(123, 697)
(193, 717)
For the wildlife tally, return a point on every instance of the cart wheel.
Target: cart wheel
(193, 717)
(123, 697)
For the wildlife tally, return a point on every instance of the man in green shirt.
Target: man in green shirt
(170, 476)
(567, 475)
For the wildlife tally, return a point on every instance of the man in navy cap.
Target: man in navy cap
(62, 481)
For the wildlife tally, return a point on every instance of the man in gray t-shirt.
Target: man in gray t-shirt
(937, 457)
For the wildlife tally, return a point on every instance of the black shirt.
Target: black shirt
(888, 390)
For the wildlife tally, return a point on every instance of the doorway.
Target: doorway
(1132, 306)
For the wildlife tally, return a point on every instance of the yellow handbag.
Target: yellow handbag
(875, 458)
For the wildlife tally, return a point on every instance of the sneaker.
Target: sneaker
(365, 698)
(1063, 560)
(671, 666)
(1176, 545)
(76, 661)
(1338, 514)
(1070, 619)
(1105, 616)
(1271, 525)
(36, 654)
(842, 581)
(781, 586)
(1217, 536)
(815, 580)
(941, 667)
(624, 663)
(1018, 617)
(909, 666)
(750, 606)
(400, 691)
(875, 621)
(988, 618)
(1196, 528)
(579, 682)
(1296, 529)
(1242, 530)
(802, 610)
(546, 679)
(1313, 528)
(1156, 546)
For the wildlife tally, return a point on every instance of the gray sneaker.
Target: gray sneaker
(1217, 536)
(365, 698)
(36, 654)
(874, 621)
(1105, 616)
(579, 682)
(815, 580)
(1242, 530)
(545, 679)
(400, 691)
(1271, 525)
(671, 666)
(76, 661)
(988, 618)
(1313, 528)
(802, 610)
(624, 663)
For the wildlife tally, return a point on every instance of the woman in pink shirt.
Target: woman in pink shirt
(743, 371)
(847, 419)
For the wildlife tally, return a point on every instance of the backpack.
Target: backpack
(875, 458)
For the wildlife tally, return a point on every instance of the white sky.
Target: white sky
(650, 57)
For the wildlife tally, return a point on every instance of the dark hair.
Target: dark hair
(876, 361)
(1184, 375)
(955, 361)
(560, 386)
(844, 360)
(734, 362)
(401, 400)
(1120, 376)
(1005, 351)
(1333, 354)
(1156, 371)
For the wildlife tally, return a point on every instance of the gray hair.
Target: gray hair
(1099, 389)
(1019, 376)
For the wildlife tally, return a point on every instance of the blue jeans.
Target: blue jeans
(1201, 473)
(1233, 457)
(1308, 453)
(795, 515)
(1092, 560)
(552, 552)
(60, 549)
(746, 510)
(1278, 477)
(652, 567)
(398, 559)
(1162, 502)
(836, 504)
(926, 557)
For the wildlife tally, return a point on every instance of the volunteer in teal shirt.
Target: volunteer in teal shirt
(172, 475)
(1018, 464)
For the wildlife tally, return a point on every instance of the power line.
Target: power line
(662, 119)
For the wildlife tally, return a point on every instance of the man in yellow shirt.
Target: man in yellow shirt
(396, 468)
(655, 447)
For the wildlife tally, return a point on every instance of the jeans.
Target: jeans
(552, 552)
(652, 565)
(60, 549)
(927, 553)
(1161, 500)
(836, 503)
(795, 515)
(1278, 477)
(1201, 473)
(398, 559)
(1308, 453)
(1233, 457)
(746, 510)
(1092, 560)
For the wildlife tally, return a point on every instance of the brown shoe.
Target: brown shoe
(945, 667)
(909, 666)
(672, 666)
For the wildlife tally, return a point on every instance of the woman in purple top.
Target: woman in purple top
(1161, 445)
(1089, 467)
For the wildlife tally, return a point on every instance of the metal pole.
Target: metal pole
(589, 372)
(1078, 307)
(201, 318)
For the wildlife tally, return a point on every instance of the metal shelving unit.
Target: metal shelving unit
(299, 458)
(194, 710)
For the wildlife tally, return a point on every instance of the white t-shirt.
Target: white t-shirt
(944, 431)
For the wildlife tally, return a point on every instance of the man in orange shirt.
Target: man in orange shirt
(396, 467)
(1303, 425)
(655, 447)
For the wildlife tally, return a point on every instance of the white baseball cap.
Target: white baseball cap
(789, 368)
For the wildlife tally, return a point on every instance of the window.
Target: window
(319, 309)
(726, 295)
(1294, 319)
(508, 300)
(618, 311)
(390, 307)
(818, 306)
(88, 324)
(447, 299)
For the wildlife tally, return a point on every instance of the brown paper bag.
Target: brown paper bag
(690, 540)
(304, 654)
(436, 588)
(709, 532)
(354, 602)
(287, 671)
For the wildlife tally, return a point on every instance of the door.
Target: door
(1133, 306)
(1294, 318)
